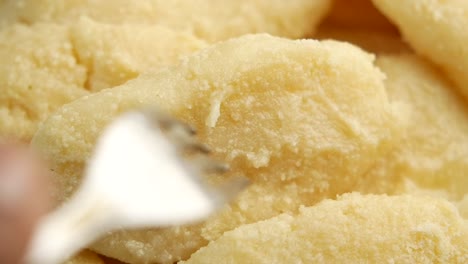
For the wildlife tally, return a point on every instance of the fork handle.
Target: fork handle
(70, 228)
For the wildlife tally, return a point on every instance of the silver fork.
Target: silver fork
(146, 171)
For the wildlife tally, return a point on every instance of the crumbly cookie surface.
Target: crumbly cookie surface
(435, 29)
(299, 118)
(434, 149)
(207, 19)
(352, 229)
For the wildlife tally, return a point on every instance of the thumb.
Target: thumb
(23, 199)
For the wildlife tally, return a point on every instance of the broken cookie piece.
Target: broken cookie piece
(434, 149)
(38, 73)
(212, 20)
(302, 119)
(352, 229)
(436, 30)
(46, 65)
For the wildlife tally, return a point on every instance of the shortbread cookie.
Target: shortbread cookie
(303, 120)
(353, 229)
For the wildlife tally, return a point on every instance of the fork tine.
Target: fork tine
(196, 147)
(216, 167)
(230, 189)
(209, 165)
(166, 122)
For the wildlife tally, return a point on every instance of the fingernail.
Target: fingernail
(13, 178)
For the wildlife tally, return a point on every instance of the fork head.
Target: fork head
(159, 161)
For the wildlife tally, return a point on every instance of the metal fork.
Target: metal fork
(147, 171)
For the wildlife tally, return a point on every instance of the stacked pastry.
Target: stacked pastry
(350, 118)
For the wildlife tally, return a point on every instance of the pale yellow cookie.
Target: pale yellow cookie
(353, 229)
(114, 54)
(38, 73)
(437, 30)
(434, 150)
(410, 187)
(463, 206)
(303, 120)
(208, 19)
(45, 65)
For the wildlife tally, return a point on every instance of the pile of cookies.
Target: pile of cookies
(350, 118)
